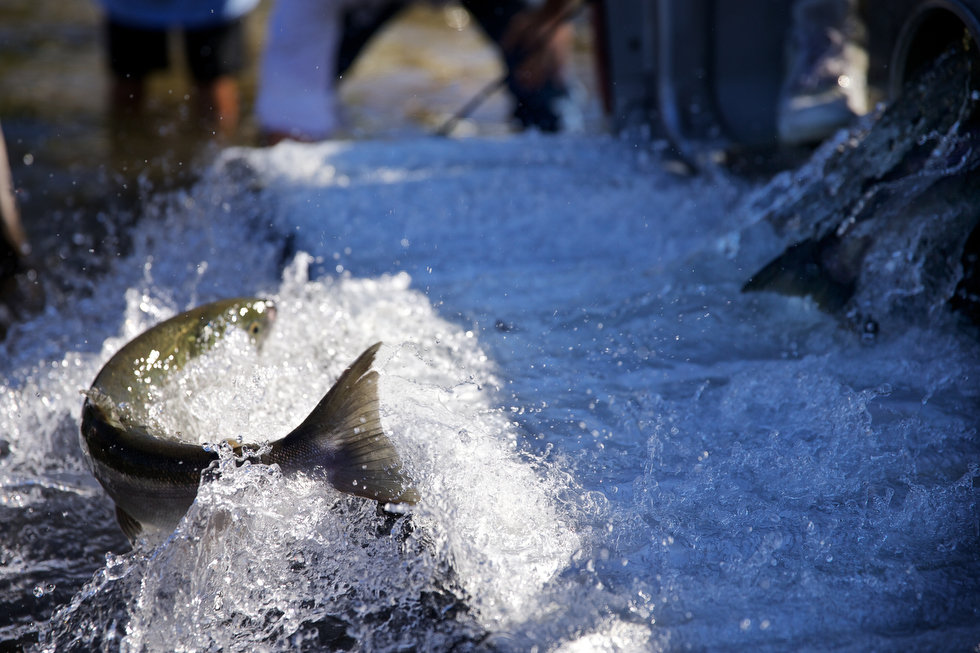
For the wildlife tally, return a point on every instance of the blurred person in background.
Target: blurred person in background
(137, 33)
(311, 43)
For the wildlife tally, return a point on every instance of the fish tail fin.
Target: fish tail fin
(343, 437)
(129, 525)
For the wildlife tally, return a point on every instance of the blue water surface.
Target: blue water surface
(618, 450)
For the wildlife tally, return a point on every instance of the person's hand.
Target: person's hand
(541, 41)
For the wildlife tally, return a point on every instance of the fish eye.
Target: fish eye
(255, 328)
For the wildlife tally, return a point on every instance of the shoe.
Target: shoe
(825, 87)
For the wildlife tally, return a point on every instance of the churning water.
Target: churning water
(615, 448)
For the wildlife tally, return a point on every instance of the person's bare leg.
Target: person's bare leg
(126, 98)
(126, 121)
(218, 105)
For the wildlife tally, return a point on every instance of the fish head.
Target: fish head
(256, 318)
(252, 315)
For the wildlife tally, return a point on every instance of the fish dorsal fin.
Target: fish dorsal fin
(344, 438)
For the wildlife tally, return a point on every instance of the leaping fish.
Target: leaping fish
(153, 478)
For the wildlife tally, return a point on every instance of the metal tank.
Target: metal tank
(708, 73)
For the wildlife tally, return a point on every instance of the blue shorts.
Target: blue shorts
(211, 52)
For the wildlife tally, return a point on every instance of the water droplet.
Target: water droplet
(40, 591)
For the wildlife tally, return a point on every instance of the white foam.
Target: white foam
(487, 514)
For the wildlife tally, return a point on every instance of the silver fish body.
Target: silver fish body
(153, 478)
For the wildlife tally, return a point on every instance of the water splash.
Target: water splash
(615, 447)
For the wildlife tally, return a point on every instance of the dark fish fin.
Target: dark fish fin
(800, 271)
(128, 524)
(790, 273)
(344, 438)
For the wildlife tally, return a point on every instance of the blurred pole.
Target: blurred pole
(13, 230)
(20, 290)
